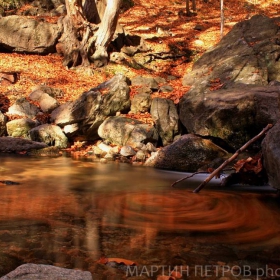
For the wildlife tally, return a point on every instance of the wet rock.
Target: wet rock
(40, 271)
(20, 127)
(50, 134)
(10, 144)
(188, 153)
(46, 152)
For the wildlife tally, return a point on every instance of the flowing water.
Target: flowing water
(69, 213)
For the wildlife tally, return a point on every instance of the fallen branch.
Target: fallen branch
(234, 156)
(189, 176)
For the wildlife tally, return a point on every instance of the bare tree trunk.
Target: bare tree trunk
(106, 31)
(88, 30)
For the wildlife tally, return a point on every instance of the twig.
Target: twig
(234, 156)
(189, 176)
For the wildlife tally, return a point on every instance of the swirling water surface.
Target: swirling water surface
(67, 212)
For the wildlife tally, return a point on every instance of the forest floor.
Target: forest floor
(165, 28)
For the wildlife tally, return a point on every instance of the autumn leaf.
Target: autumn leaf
(105, 260)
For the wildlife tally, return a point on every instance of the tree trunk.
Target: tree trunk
(88, 29)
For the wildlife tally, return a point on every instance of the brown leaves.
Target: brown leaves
(252, 164)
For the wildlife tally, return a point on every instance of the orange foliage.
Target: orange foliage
(179, 37)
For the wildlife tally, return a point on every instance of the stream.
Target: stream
(69, 213)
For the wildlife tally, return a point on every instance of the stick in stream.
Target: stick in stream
(234, 156)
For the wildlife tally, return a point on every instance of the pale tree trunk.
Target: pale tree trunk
(106, 31)
(88, 29)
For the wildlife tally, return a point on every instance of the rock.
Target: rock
(46, 102)
(141, 103)
(271, 155)
(32, 271)
(98, 152)
(7, 78)
(105, 148)
(166, 88)
(144, 89)
(22, 34)
(125, 131)
(141, 155)
(245, 55)
(188, 154)
(145, 82)
(23, 108)
(46, 152)
(150, 147)
(12, 145)
(50, 134)
(234, 115)
(93, 107)
(20, 127)
(165, 116)
(127, 151)
(53, 92)
(3, 120)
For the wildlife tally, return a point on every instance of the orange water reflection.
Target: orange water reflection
(74, 207)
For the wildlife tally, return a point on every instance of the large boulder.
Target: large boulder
(271, 155)
(45, 272)
(189, 153)
(231, 95)
(234, 115)
(22, 34)
(164, 114)
(125, 131)
(248, 54)
(85, 114)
